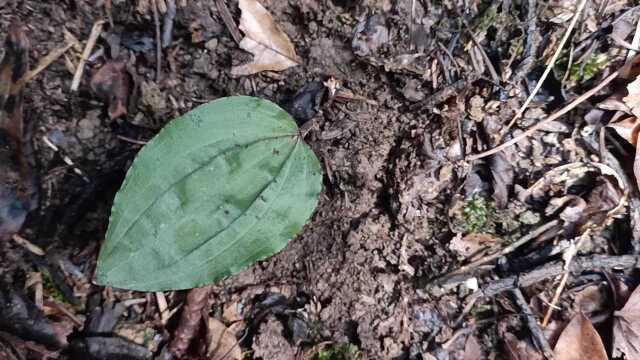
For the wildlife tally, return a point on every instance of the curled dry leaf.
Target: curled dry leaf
(271, 48)
(579, 341)
(626, 327)
(112, 84)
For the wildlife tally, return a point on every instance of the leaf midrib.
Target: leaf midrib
(150, 284)
(166, 190)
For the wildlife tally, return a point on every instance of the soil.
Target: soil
(391, 159)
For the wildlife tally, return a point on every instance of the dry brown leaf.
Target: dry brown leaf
(472, 349)
(112, 84)
(626, 327)
(470, 244)
(502, 175)
(516, 349)
(593, 300)
(222, 340)
(579, 341)
(271, 48)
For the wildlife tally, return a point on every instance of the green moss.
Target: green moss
(343, 351)
(50, 288)
(592, 66)
(478, 214)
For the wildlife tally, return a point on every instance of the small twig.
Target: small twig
(130, 140)
(108, 8)
(226, 16)
(131, 302)
(465, 311)
(556, 298)
(569, 65)
(163, 307)
(96, 30)
(167, 23)
(448, 53)
(66, 159)
(34, 280)
(485, 57)
(532, 323)
(569, 254)
(546, 72)
(457, 334)
(547, 120)
(33, 248)
(43, 64)
(63, 309)
(411, 25)
(156, 20)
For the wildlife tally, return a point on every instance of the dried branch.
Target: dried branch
(96, 30)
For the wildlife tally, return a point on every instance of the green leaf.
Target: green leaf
(225, 185)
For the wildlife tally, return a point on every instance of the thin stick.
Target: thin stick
(167, 23)
(532, 323)
(130, 140)
(162, 307)
(545, 121)
(485, 57)
(108, 7)
(546, 72)
(43, 64)
(66, 159)
(33, 248)
(156, 19)
(96, 30)
(556, 298)
(226, 16)
(411, 26)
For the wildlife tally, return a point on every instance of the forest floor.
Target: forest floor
(417, 249)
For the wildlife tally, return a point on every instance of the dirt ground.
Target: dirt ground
(396, 190)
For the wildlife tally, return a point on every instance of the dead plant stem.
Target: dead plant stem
(96, 30)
